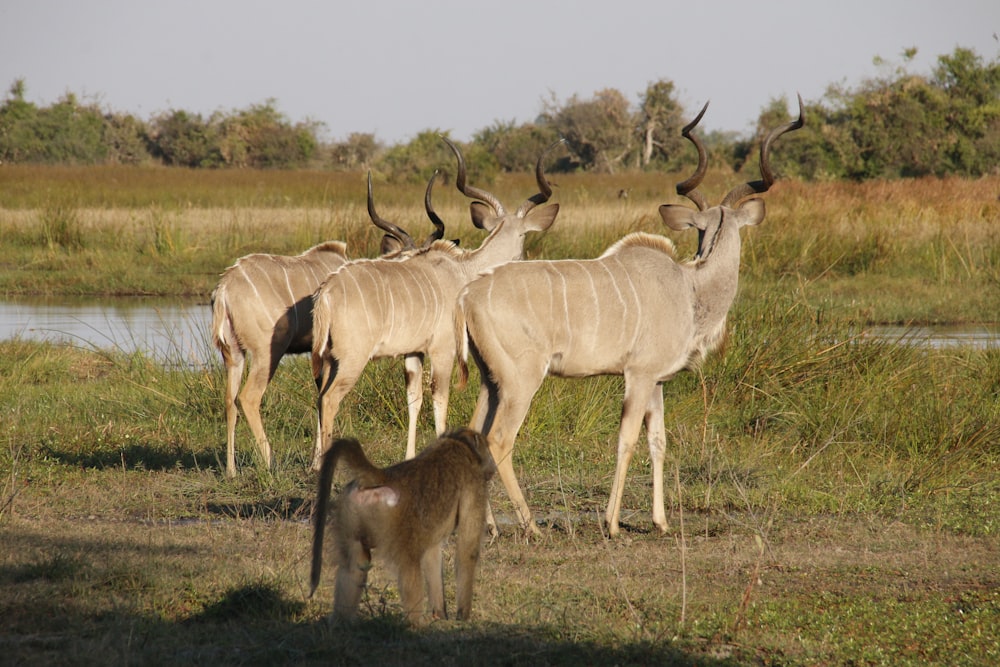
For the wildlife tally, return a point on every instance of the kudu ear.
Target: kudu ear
(752, 211)
(482, 216)
(540, 219)
(389, 245)
(677, 217)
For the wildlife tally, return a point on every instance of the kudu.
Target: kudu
(370, 310)
(635, 311)
(262, 307)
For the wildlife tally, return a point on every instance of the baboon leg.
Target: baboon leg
(432, 566)
(414, 366)
(405, 512)
(634, 408)
(656, 435)
(261, 371)
(468, 541)
(411, 587)
(235, 361)
(352, 574)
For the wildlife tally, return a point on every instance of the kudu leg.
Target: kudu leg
(510, 415)
(633, 411)
(335, 379)
(414, 368)
(235, 362)
(505, 469)
(656, 435)
(250, 399)
(441, 367)
(477, 423)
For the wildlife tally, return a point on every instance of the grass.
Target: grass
(833, 512)
(923, 251)
(832, 499)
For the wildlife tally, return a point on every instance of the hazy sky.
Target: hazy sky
(397, 67)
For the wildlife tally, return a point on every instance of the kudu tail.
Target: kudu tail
(223, 335)
(368, 475)
(321, 324)
(462, 345)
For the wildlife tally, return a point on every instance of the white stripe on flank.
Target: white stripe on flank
(360, 295)
(614, 283)
(635, 297)
(569, 325)
(246, 276)
(595, 312)
(391, 296)
(288, 284)
(312, 272)
(405, 285)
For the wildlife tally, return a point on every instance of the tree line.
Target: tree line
(898, 124)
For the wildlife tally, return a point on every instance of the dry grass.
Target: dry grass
(782, 590)
(824, 239)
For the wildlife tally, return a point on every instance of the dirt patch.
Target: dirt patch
(81, 584)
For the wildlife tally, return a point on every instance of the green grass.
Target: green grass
(881, 252)
(839, 498)
(832, 499)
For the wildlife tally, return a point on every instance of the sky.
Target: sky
(396, 68)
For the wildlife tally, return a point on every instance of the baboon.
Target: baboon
(405, 512)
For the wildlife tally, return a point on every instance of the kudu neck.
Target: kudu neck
(500, 247)
(716, 277)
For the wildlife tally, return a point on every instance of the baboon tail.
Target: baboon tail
(350, 450)
(320, 511)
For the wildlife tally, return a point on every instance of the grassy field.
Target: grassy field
(834, 499)
(908, 251)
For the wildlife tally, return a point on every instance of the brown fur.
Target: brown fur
(405, 512)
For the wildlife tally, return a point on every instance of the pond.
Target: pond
(178, 332)
(171, 331)
(978, 336)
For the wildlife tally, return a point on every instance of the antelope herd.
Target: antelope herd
(263, 306)
(635, 311)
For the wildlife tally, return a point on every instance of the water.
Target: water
(177, 332)
(170, 331)
(977, 336)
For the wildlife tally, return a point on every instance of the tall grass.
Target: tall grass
(901, 251)
(807, 415)
(797, 384)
